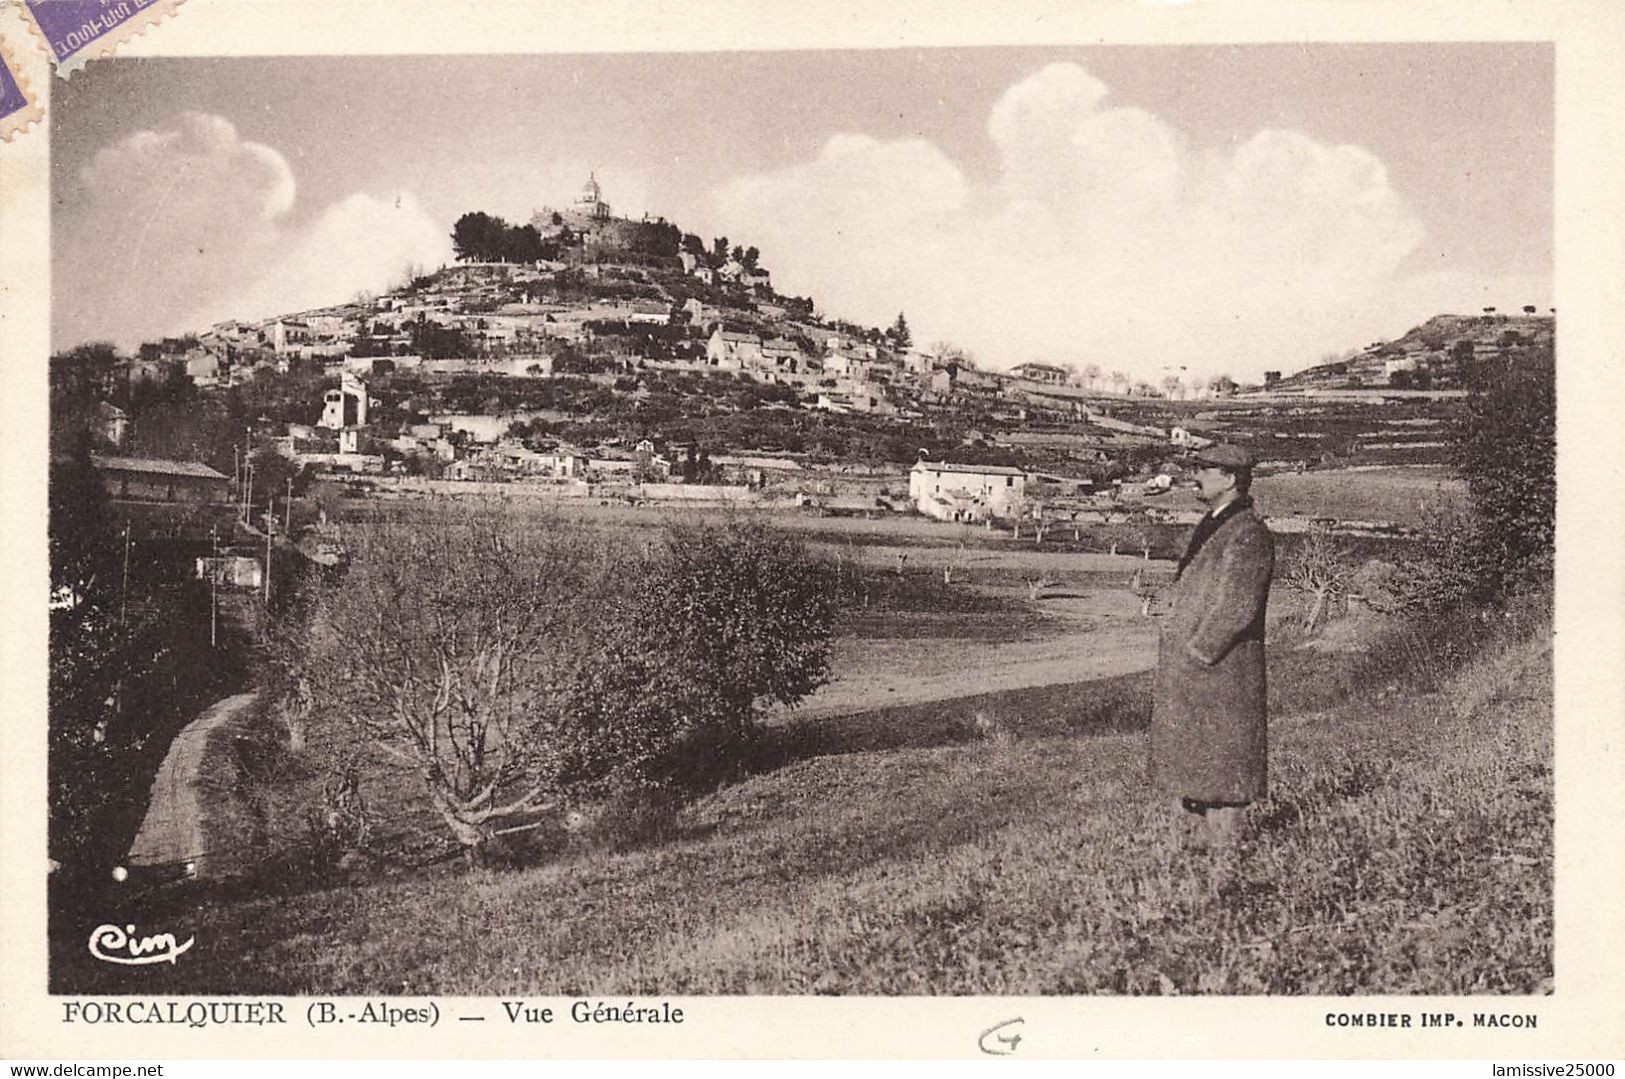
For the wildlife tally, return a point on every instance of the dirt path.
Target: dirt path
(963, 669)
(172, 831)
(1081, 640)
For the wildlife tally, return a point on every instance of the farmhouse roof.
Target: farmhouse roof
(157, 466)
(978, 470)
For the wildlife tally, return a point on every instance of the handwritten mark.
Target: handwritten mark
(995, 1044)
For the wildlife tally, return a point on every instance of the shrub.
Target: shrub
(522, 666)
(707, 626)
(1505, 448)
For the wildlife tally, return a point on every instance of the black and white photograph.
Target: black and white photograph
(585, 530)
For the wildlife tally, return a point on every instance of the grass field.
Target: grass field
(1000, 842)
(1408, 496)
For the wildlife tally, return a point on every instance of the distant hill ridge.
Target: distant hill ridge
(1429, 356)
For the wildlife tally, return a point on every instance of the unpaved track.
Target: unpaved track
(886, 675)
(1082, 639)
(172, 831)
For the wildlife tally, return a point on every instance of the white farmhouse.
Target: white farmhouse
(953, 492)
(733, 351)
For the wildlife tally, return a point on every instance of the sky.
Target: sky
(1222, 209)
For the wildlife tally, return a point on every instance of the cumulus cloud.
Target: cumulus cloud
(169, 230)
(361, 243)
(1104, 238)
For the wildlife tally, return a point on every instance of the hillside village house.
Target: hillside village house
(951, 492)
(345, 406)
(917, 361)
(113, 422)
(855, 400)
(842, 365)
(782, 355)
(151, 479)
(733, 351)
(204, 368)
(648, 313)
(1041, 372)
(946, 380)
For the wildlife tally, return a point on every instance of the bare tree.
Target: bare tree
(440, 647)
(1037, 583)
(1322, 570)
(519, 662)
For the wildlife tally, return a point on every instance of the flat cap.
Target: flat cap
(1224, 455)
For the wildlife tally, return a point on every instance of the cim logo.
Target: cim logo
(111, 944)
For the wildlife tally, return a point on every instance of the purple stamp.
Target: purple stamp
(18, 108)
(79, 30)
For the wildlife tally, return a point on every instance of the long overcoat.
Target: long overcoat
(1209, 730)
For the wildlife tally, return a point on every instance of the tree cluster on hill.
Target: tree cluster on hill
(130, 660)
(480, 237)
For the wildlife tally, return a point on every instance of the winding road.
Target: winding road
(172, 832)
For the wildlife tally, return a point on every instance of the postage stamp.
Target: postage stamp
(18, 107)
(76, 31)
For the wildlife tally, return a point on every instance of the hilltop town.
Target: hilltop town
(587, 354)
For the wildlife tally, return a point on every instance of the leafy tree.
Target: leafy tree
(899, 333)
(182, 429)
(478, 237)
(436, 342)
(272, 475)
(1505, 448)
(129, 656)
(750, 257)
(719, 251)
(522, 244)
(660, 238)
(85, 374)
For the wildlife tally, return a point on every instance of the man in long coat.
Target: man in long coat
(1209, 733)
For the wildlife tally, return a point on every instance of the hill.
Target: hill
(1431, 356)
(1002, 844)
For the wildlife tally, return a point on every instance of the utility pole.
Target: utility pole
(124, 588)
(287, 511)
(214, 580)
(270, 527)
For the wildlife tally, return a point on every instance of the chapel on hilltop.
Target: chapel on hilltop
(587, 211)
(591, 200)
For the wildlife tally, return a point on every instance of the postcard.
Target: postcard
(774, 531)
